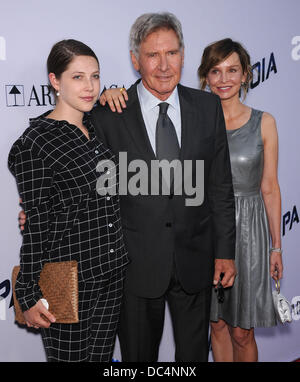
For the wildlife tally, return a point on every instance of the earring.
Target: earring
(57, 94)
(243, 83)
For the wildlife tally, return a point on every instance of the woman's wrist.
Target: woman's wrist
(275, 250)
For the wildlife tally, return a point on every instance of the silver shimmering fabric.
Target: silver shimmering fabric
(249, 302)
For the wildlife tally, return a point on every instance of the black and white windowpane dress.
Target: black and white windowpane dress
(55, 167)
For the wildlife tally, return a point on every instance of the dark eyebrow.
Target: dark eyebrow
(78, 72)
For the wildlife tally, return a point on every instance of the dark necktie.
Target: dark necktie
(167, 146)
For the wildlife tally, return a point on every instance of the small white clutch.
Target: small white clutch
(281, 305)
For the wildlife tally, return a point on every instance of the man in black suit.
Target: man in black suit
(176, 251)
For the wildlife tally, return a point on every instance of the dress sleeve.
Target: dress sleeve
(34, 181)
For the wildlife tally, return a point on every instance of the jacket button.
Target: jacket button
(168, 224)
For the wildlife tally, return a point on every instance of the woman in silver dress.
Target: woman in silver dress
(253, 144)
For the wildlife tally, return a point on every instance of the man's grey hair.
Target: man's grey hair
(151, 22)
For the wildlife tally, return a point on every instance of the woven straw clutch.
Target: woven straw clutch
(59, 285)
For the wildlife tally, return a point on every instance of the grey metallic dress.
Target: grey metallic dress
(249, 302)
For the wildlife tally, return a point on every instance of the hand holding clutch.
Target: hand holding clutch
(59, 285)
(38, 316)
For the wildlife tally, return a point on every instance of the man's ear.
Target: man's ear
(54, 81)
(135, 61)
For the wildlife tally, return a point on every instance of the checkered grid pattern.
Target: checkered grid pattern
(55, 169)
(93, 338)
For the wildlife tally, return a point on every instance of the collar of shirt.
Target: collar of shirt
(150, 110)
(148, 101)
(64, 124)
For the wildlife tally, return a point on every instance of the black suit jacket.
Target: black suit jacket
(161, 229)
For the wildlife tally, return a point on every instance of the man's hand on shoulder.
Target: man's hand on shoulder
(116, 99)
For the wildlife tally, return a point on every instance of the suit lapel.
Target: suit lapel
(133, 119)
(188, 122)
(134, 122)
(135, 125)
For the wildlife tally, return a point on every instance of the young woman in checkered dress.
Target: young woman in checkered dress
(67, 218)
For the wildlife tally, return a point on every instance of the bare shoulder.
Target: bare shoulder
(268, 119)
(268, 126)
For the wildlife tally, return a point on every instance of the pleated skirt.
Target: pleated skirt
(248, 303)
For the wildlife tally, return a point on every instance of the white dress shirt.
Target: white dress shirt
(150, 111)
